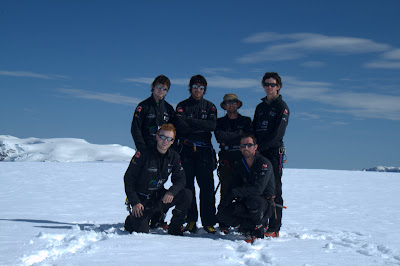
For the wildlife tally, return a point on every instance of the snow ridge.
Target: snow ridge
(13, 149)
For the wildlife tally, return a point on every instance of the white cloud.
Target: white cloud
(313, 64)
(356, 104)
(216, 70)
(27, 74)
(104, 97)
(384, 64)
(212, 81)
(392, 55)
(299, 45)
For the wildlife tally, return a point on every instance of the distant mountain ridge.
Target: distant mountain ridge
(13, 149)
(383, 169)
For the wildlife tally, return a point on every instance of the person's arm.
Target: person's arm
(178, 177)
(261, 180)
(208, 124)
(131, 178)
(279, 131)
(136, 128)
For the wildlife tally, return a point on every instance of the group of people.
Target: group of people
(177, 143)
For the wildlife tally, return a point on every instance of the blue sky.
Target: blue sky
(79, 68)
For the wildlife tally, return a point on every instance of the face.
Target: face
(248, 151)
(197, 91)
(159, 91)
(164, 144)
(231, 106)
(268, 87)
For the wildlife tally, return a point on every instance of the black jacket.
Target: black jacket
(146, 120)
(195, 120)
(229, 134)
(258, 181)
(270, 122)
(149, 170)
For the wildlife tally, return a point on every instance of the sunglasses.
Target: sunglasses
(198, 87)
(273, 85)
(161, 87)
(230, 102)
(249, 145)
(166, 138)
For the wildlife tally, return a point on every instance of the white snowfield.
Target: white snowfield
(73, 213)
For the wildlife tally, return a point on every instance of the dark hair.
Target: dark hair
(198, 79)
(161, 79)
(248, 135)
(273, 75)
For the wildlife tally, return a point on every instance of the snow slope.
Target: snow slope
(60, 150)
(73, 213)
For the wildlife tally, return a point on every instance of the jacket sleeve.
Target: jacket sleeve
(248, 128)
(261, 180)
(208, 124)
(131, 178)
(222, 136)
(279, 131)
(136, 128)
(178, 177)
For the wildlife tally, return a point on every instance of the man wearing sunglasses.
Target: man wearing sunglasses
(249, 201)
(195, 121)
(151, 113)
(228, 132)
(270, 121)
(144, 185)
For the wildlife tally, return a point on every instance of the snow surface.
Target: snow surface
(73, 213)
(60, 150)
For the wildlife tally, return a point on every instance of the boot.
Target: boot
(178, 218)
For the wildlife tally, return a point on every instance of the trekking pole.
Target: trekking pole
(219, 183)
(280, 206)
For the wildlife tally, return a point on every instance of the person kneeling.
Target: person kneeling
(249, 203)
(144, 181)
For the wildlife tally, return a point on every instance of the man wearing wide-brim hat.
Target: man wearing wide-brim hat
(228, 133)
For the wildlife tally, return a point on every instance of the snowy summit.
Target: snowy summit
(13, 149)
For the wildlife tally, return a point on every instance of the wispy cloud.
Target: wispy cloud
(27, 74)
(384, 64)
(213, 81)
(104, 97)
(299, 45)
(392, 55)
(313, 64)
(356, 104)
(216, 70)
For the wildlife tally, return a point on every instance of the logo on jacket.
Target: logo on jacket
(166, 117)
(151, 116)
(139, 108)
(264, 167)
(286, 111)
(152, 169)
(203, 114)
(179, 110)
(137, 155)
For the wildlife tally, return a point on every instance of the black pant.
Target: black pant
(181, 202)
(247, 212)
(276, 161)
(199, 164)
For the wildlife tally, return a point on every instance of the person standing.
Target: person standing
(249, 202)
(228, 133)
(270, 121)
(144, 182)
(195, 120)
(151, 113)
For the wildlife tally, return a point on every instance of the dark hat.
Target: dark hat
(231, 97)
